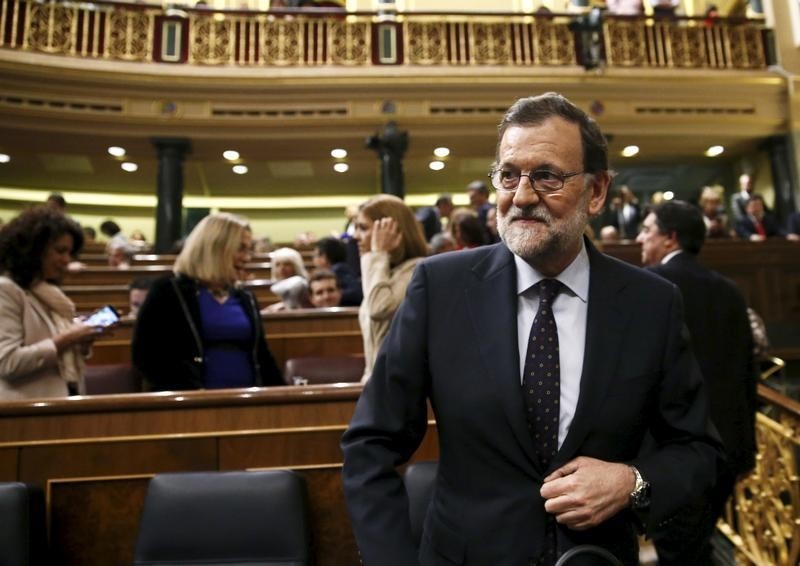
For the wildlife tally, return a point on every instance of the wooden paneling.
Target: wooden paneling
(290, 334)
(107, 275)
(42, 462)
(95, 455)
(767, 273)
(9, 464)
(94, 522)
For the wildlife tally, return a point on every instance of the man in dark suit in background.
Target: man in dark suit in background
(716, 315)
(431, 216)
(536, 455)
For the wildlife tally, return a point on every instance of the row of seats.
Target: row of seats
(123, 378)
(220, 519)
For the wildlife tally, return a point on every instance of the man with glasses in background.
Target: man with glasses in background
(545, 363)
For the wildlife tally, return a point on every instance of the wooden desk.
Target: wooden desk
(290, 334)
(87, 298)
(95, 455)
(107, 275)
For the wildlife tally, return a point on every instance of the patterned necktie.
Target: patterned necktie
(541, 382)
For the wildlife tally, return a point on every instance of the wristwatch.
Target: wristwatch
(640, 496)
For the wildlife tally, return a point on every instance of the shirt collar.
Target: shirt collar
(575, 276)
(670, 255)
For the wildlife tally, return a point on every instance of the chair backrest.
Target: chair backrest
(108, 379)
(419, 479)
(323, 369)
(23, 539)
(230, 518)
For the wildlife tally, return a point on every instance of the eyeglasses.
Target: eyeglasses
(542, 180)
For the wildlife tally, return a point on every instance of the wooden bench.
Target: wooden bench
(290, 334)
(87, 298)
(107, 275)
(94, 457)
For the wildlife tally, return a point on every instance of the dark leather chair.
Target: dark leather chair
(225, 518)
(108, 379)
(323, 369)
(419, 478)
(23, 538)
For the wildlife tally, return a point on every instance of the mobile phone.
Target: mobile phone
(103, 317)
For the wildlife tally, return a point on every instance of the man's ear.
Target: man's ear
(599, 191)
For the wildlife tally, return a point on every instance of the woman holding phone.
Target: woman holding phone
(200, 329)
(42, 345)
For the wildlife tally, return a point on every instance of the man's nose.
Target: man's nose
(525, 195)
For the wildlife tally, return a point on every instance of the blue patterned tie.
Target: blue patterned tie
(541, 382)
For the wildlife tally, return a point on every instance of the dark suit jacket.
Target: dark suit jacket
(454, 342)
(167, 347)
(431, 223)
(716, 314)
(745, 227)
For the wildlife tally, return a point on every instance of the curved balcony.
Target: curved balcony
(325, 37)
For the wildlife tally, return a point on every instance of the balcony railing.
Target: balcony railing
(332, 37)
(762, 520)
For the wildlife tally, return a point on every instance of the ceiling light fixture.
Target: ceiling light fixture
(230, 154)
(129, 166)
(630, 150)
(338, 153)
(116, 151)
(668, 195)
(341, 167)
(436, 165)
(4, 158)
(714, 150)
(240, 169)
(441, 151)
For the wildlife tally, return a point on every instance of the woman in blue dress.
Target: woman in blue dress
(199, 329)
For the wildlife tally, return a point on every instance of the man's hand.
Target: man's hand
(585, 492)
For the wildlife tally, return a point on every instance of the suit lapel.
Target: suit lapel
(605, 323)
(492, 305)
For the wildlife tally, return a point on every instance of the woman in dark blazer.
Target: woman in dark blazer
(199, 328)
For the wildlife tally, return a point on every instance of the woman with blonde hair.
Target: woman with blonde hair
(200, 328)
(390, 242)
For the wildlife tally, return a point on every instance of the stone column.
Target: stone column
(171, 152)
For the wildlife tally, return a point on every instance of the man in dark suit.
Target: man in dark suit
(758, 223)
(431, 216)
(716, 315)
(740, 199)
(512, 489)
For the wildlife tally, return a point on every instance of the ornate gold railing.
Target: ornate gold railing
(333, 37)
(683, 44)
(763, 518)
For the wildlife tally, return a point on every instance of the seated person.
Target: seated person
(324, 289)
(793, 233)
(442, 242)
(711, 205)
(137, 293)
(287, 262)
(120, 256)
(293, 292)
(757, 224)
(331, 253)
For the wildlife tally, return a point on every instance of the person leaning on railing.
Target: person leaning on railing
(200, 328)
(42, 345)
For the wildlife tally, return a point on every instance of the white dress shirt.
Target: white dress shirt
(569, 310)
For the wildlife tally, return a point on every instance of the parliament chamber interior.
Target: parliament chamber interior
(290, 113)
